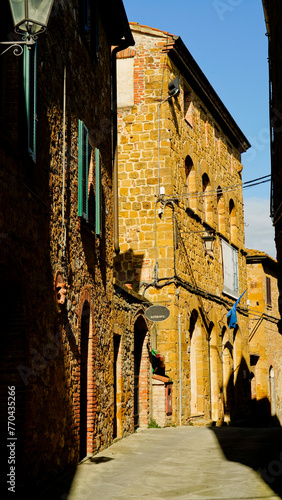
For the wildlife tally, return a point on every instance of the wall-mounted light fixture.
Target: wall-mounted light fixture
(30, 18)
(208, 241)
(173, 87)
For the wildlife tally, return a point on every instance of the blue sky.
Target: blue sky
(227, 39)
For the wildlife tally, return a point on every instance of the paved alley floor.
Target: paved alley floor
(192, 463)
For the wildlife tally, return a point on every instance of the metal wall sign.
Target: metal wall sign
(157, 313)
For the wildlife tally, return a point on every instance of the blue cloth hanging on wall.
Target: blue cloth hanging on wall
(232, 313)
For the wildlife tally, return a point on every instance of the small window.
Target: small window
(188, 168)
(233, 222)
(207, 199)
(84, 15)
(89, 25)
(29, 80)
(98, 194)
(268, 291)
(220, 211)
(84, 156)
(89, 181)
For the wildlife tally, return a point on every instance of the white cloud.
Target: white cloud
(259, 232)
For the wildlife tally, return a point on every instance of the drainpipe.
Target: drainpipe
(123, 45)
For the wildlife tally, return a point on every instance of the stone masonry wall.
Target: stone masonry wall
(265, 340)
(178, 146)
(129, 322)
(37, 243)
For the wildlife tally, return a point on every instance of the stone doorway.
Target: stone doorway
(117, 429)
(84, 377)
(141, 373)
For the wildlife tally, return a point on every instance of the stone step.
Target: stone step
(201, 422)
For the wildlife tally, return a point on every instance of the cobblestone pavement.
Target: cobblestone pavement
(192, 463)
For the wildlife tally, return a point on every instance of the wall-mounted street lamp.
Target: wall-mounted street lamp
(208, 241)
(30, 18)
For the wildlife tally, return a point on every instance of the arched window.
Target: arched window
(232, 222)
(84, 379)
(190, 180)
(207, 200)
(220, 211)
(272, 391)
(188, 168)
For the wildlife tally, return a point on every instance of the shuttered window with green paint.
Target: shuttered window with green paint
(98, 193)
(89, 181)
(84, 156)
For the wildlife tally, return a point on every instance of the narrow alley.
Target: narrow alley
(192, 463)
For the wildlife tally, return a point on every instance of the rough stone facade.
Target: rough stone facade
(132, 360)
(55, 266)
(180, 185)
(265, 339)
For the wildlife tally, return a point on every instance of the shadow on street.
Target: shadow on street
(258, 448)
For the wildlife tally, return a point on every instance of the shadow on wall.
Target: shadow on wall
(240, 408)
(237, 398)
(260, 449)
(132, 269)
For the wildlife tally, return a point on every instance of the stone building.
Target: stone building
(273, 13)
(181, 224)
(57, 150)
(264, 338)
(132, 361)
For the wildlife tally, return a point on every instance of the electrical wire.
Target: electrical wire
(219, 191)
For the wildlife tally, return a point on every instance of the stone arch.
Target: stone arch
(272, 391)
(141, 364)
(87, 386)
(196, 365)
(117, 368)
(228, 374)
(214, 375)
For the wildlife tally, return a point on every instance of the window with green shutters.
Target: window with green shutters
(98, 194)
(89, 181)
(29, 80)
(84, 156)
(268, 291)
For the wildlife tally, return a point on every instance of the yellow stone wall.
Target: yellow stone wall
(162, 253)
(265, 339)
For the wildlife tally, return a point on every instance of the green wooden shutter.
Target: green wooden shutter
(98, 193)
(30, 83)
(83, 168)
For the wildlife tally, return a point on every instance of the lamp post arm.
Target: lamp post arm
(18, 46)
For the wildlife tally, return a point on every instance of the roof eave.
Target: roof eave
(116, 23)
(181, 56)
